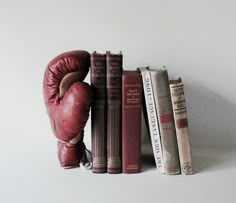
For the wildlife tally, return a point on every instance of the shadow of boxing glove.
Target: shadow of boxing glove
(68, 101)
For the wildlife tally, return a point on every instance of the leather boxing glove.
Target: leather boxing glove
(68, 100)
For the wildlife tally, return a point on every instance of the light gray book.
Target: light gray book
(162, 97)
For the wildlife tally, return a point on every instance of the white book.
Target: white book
(152, 119)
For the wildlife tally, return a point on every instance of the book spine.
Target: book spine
(182, 130)
(98, 112)
(114, 93)
(131, 122)
(162, 97)
(152, 119)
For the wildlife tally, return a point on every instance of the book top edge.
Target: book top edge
(152, 69)
(97, 54)
(142, 69)
(108, 53)
(159, 69)
(131, 72)
(176, 81)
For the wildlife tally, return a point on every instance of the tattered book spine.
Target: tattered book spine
(181, 124)
(152, 119)
(161, 91)
(131, 121)
(114, 93)
(98, 113)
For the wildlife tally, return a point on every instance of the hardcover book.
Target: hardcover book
(152, 119)
(131, 121)
(162, 97)
(114, 93)
(98, 113)
(181, 124)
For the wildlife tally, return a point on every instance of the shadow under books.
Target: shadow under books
(148, 162)
(212, 125)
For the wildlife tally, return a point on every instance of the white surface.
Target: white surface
(39, 179)
(194, 38)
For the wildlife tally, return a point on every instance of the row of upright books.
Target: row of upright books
(119, 97)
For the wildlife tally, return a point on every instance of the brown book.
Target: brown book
(181, 124)
(161, 91)
(131, 121)
(114, 92)
(98, 113)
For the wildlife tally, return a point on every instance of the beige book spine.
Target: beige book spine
(162, 98)
(181, 125)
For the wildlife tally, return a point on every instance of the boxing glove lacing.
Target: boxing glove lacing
(86, 160)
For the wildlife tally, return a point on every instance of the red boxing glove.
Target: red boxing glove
(68, 100)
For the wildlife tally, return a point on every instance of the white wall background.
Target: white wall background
(196, 39)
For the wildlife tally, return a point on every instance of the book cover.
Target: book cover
(114, 93)
(98, 113)
(131, 121)
(152, 119)
(181, 124)
(162, 97)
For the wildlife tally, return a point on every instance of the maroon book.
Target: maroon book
(131, 121)
(98, 113)
(114, 84)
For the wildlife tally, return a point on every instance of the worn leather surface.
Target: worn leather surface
(131, 121)
(68, 101)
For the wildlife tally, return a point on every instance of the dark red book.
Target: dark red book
(114, 92)
(131, 121)
(98, 112)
